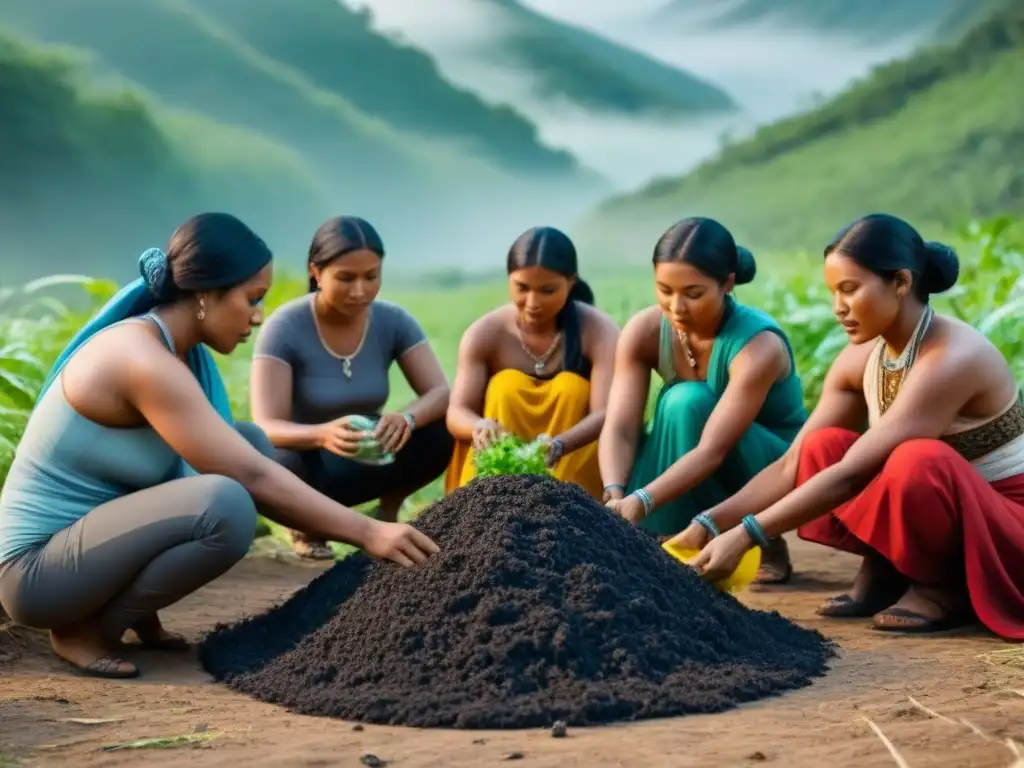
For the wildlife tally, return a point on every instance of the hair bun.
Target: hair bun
(942, 267)
(155, 271)
(746, 267)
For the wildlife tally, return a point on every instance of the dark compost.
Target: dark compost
(542, 606)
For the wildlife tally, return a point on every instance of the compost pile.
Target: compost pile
(542, 606)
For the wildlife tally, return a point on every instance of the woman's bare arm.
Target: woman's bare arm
(270, 395)
(471, 376)
(752, 374)
(163, 390)
(929, 401)
(841, 405)
(627, 399)
(423, 371)
(604, 334)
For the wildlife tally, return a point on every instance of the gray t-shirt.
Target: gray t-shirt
(320, 389)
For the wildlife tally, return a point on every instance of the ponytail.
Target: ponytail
(568, 322)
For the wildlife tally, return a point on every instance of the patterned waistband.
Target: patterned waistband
(974, 443)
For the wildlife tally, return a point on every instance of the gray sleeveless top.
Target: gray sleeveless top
(67, 465)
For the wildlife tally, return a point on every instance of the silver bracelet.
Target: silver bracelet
(410, 420)
(645, 499)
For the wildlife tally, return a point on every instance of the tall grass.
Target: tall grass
(35, 325)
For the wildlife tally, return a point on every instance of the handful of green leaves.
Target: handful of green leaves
(511, 455)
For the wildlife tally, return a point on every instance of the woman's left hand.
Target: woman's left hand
(392, 432)
(629, 508)
(721, 556)
(556, 450)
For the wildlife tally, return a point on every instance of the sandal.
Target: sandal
(912, 622)
(845, 607)
(313, 550)
(107, 667)
(776, 567)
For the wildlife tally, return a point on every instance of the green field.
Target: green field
(990, 295)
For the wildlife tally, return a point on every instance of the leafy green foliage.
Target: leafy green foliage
(511, 455)
(927, 138)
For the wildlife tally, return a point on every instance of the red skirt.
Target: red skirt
(930, 513)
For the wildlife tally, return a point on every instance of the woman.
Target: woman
(730, 403)
(102, 522)
(542, 366)
(324, 357)
(932, 493)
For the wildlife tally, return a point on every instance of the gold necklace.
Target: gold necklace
(891, 373)
(684, 340)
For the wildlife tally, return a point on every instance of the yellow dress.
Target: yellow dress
(529, 407)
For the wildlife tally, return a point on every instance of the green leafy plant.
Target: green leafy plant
(511, 455)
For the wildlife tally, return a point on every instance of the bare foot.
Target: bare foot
(877, 585)
(84, 647)
(925, 609)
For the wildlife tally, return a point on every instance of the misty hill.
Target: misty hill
(873, 20)
(590, 71)
(84, 172)
(934, 137)
(433, 199)
(338, 51)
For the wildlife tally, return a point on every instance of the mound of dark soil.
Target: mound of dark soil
(541, 606)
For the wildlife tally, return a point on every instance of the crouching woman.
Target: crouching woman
(131, 486)
(730, 403)
(931, 495)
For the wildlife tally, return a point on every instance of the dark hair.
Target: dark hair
(552, 249)
(339, 236)
(708, 246)
(885, 244)
(210, 251)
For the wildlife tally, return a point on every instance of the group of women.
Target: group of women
(913, 458)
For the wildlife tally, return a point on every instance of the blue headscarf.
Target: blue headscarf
(155, 287)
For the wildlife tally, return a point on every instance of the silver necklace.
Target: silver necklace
(540, 362)
(684, 341)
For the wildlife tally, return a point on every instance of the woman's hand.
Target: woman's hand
(393, 432)
(721, 556)
(694, 536)
(341, 438)
(400, 543)
(555, 452)
(629, 508)
(485, 432)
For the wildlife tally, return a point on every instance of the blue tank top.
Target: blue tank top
(67, 465)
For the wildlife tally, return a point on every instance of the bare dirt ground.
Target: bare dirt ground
(51, 716)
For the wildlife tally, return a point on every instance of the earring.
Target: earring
(201, 314)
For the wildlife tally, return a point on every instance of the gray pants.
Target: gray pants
(132, 556)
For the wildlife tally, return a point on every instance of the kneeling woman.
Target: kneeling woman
(932, 493)
(541, 366)
(130, 487)
(324, 357)
(730, 403)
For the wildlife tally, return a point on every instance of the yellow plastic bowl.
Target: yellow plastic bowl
(741, 578)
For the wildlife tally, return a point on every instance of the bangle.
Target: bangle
(615, 487)
(557, 449)
(645, 499)
(704, 520)
(756, 532)
(409, 419)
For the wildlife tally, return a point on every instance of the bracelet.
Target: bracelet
(409, 419)
(558, 448)
(756, 532)
(645, 499)
(704, 520)
(615, 487)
